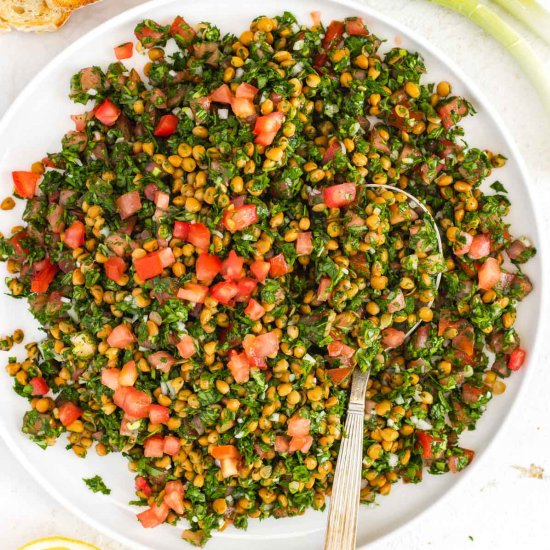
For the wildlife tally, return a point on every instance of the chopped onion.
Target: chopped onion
(223, 113)
(392, 460)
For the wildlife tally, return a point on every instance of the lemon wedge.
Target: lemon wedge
(58, 543)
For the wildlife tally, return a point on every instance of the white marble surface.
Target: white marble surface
(498, 506)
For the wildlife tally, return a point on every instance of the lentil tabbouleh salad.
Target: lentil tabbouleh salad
(208, 267)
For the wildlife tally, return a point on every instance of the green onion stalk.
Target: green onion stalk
(531, 14)
(522, 52)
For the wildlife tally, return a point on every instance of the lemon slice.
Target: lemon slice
(58, 543)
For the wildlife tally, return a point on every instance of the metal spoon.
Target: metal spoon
(344, 502)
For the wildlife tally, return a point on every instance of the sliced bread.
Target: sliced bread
(32, 15)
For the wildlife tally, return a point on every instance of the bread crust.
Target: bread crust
(69, 4)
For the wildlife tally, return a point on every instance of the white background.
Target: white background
(498, 506)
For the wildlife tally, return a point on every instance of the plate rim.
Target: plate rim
(483, 102)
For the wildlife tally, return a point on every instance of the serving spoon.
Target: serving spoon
(346, 487)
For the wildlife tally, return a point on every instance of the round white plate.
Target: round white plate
(35, 124)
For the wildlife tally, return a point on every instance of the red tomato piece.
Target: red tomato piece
(230, 467)
(339, 349)
(224, 292)
(254, 310)
(471, 394)
(115, 268)
(75, 235)
(355, 27)
(425, 439)
(392, 338)
(232, 267)
(464, 243)
(109, 378)
(121, 337)
(207, 267)
(480, 247)
(124, 51)
(128, 204)
(281, 444)
(166, 256)
(246, 287)
(340, 195)
(517, 358)
(300, 443)
(143, 486)
(333, 34)
(39, 386)
(153, 447)
(181, 230)
(68, 413)
(222, 95)
(193, 293)
(488, 274)
(267, 126)
(304, 243)
(298, 426)
(323, 291)
(20, 251)
(259, 347)
(42, 279)
(260, 269)
(454, 461)
(182, 31)
(240, 217)
(148, 266)
(24, 184)
(174, 501)
(331, 151)
(172, 445)
(452, 112)
(107, 113)
(162, 200)
(135, 403)
(243, 107)
(167, 125)
(246, 90)
(199, 236)
(161, 360)
(128, 374)
(80, 121)
(278, 266)
(154, 516)
(337, 375)
(186, 346)
(222, 452)
(239, 367)
(159, 414)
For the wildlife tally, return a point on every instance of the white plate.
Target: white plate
(36, 122)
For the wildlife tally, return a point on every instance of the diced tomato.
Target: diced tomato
(337, 196)
(143, 486)
(488, 274)
(331, 151)
(464, 243)
(355, 27)
(172, 445)
(80, 121)
(20, 251)
(181, 230)
(471, 394)
(161, 360)
(221, 452)
(162, 200)
(454, 461)
(207, 267)
(339, 349)
(246, 287)
(128, 204)
(39, 386)
(68, 413)
(121, 337)
(281, 444)
(166, 256)
(107, 113)
(109, 378)
(300, 443)
(224, 292)
(232, 267)
(154, 516)
(254, 310)
(259, 347)
(517, 358)
(153, 447)
(167, 125)
(115, 268)
(182, 31)
(267, 126)
(148, 266)
(338, 375)
(332, 35)
(392, 338)
(175, 486)
(240, 217)
(75, 235)
(128, 374)
(159, 414)
(24, 183)
(43, 277)
(124, 51)
(298, 426)
(452, 112)
(243, 107)
(174, 501)
(278, 266)
(304, 243)
(199, 236)
(323, 290)
(239, 367)
(480, 247)
(186, 346)
(260, 269)
(222, 95)
(425, 439)
(230, 467)
(135, 403)
(193, 293)
(246, 90)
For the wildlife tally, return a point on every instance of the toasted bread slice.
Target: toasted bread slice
(32, 15)
(69, 4)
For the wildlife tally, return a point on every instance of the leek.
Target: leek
(522, 52)
(531, 14)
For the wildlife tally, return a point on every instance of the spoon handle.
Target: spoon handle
(346, 487)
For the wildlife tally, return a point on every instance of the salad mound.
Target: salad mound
(209, 265)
